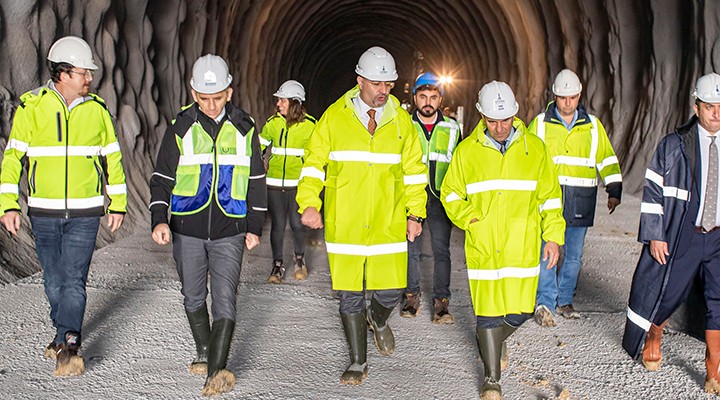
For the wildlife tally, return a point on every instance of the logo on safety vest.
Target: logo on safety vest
(225, 150)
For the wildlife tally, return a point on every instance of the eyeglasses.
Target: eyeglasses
(377, 84)
(88, 74)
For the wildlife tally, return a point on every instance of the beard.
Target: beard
(427, 111)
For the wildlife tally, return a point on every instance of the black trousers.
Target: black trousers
(283, 206)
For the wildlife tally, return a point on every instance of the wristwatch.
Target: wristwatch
(419, 220)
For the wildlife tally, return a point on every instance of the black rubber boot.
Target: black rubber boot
(507, 331)
(219, 380)
(200, 327)
(377, 317)
(490, 346)
(355, 328)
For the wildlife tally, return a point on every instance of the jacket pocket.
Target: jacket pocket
(187, 180)
(579, 205)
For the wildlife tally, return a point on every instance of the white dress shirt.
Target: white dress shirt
(362, 110)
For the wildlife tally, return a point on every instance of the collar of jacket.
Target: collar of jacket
(688, 133)
(551, 115)
(389, 112)
(242, 120)
(478, 134)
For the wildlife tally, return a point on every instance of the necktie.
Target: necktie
(503, 147)
(372, 124)
(711, 188)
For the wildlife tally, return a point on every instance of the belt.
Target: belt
(700, 229)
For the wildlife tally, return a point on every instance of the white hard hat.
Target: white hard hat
(376, 64)
(497, 101)
(707, 88)
(566, 83)
(291, 90)
(210, 75)
(72, 50)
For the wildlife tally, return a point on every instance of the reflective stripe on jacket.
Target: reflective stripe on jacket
(208, 167)
(288, 149)
(515, 198)
(65, 151)
(579, 155)
(372, 183)
(438, 150)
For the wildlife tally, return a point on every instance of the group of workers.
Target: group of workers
(377, 173)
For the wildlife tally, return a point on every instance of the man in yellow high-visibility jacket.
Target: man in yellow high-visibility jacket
(502, 189)
(67, 136)
(581, 150)
(365, 152)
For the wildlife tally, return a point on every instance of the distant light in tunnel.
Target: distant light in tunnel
(446, 79)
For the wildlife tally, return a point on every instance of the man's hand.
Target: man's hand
(414, 229)
(161, 234)
(251, 240)
(552, 251)
(311, 218)
(11, 220)
(114, 221)
(612, 203)
(659, 251)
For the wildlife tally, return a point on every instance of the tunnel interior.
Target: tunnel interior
(638, 62)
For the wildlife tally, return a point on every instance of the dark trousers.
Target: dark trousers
(221, 258)
(702, 256)
(283, 206)
(514, 320)
(440, 227)
(65, 247)
(354, 302)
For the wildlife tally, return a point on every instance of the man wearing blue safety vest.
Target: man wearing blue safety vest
(66, 135)
(210, 177)
(580, 149)
(438, 137)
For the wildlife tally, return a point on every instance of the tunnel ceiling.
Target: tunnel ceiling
(638, 61)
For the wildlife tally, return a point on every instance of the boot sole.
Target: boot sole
(74, 367)
(491, 395)
(222, 382)
(274, 279)
(354, 380)
(446, 319)
(198, 368)
(712, 386)
(300, 274)
(652, 365)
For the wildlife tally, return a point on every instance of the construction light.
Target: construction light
(446, 80)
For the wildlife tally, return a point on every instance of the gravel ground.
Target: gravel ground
(289, 342)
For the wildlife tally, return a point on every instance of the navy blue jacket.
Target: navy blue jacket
(669, 207)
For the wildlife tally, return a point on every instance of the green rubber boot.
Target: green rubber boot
(200, 328)
(219, 380)
(377, 317)
(507, 331)
(490, 346)
(355, 328)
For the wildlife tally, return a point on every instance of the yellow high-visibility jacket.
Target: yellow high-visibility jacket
(64, 149)
(515, 198)
(579, 155)
(372, 183)
(288, 149)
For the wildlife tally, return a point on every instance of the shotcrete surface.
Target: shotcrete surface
(289, 342)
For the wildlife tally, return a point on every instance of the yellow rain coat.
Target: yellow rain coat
(515, 198)
(372, 183)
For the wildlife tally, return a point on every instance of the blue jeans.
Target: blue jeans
(439, 226)
(65, 247)
(556, 286)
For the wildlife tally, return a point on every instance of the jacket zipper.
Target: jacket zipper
(67, 150)
(286, 155)
(32, 177)
(99, 174)
(212, 186)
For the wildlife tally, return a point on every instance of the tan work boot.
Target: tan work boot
(651, 354)
(68, 362)
(300, 271)
(412, 305)
(442, 316)
(712, 361)
(544, 317)
(51, 351)
(277, 272)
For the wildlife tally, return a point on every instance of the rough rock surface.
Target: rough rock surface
(638, 61)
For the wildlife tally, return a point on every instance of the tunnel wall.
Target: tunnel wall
(638, 61)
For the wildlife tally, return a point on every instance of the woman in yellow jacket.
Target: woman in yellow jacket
(286, 132)
(502, 189)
